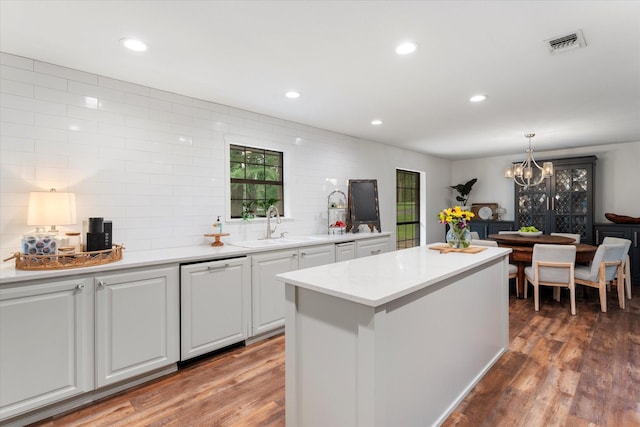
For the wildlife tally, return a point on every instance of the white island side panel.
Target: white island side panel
(406, 362)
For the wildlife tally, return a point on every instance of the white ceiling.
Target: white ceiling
(340, 56)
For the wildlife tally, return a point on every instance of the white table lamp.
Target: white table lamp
(51, 208)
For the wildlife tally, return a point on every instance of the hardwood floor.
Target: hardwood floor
(560, 370)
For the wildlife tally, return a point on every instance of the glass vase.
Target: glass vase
(458, 238)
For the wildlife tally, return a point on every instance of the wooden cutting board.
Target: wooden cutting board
(444, 249)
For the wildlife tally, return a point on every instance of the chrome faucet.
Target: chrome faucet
(270, 211)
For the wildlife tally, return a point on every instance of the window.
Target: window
(256, 181)
(407, 209)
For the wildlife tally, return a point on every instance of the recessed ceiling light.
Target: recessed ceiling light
(376, 122)
(406, 48)
(133, 44)
(292, 94)
(478, 98)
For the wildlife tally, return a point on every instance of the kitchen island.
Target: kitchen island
(394, 339)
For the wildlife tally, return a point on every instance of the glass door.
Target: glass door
(407, 209)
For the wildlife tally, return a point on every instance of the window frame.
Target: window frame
(418, 236)
(241, 141)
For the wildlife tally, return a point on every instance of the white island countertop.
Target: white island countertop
(377, 280)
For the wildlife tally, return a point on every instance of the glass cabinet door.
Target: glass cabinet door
(570, 207)
(561, 204)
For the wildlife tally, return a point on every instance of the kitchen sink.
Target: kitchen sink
(259, 243)
(282, 241)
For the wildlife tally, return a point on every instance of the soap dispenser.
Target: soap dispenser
(217, 227)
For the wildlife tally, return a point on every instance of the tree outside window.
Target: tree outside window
(256, 181)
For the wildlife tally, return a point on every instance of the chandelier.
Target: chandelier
(522, 173)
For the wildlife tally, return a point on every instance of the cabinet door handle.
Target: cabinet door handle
(302, 254)
(547, 203)
(635, 239)
(377, 251)
(80, 286)
(101, 284)
(597, 237)
(221, 267)
(294, 255)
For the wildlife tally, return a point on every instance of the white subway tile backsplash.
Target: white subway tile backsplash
(16, 61)
(9, 143)
(198, 172)
(171, 97)
(128, 88)
(63, 97)
(50, 134)
(51, 121)
(16, 88)
(65, 73)
(18, 130)
(122, 131)
(191, 111)
(52, 147)
(211, 106)
(51, 173)
(227, 119)
(154, 161)
(118, 107)
(31, 78)
(11, 115)
(97, 115)
(30, 104)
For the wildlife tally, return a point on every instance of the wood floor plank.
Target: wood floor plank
(560, 370)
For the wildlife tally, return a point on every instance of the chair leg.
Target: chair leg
(556, 294)
(603, 297)
(627, 277)
(536, 294)
(620, 287)
(572, 295)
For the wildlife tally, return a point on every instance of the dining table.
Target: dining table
(522, 250)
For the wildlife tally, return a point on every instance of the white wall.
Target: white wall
(154, 162)
(616, 178)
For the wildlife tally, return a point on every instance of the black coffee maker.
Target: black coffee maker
(99, 234)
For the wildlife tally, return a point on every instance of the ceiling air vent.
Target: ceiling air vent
(566, 42)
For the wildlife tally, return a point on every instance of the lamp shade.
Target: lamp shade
(51, 208)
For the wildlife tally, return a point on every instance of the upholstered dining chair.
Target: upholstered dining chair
(475, 235)
(607, 262)
(575, 237)
(552, 265)
(626, 269)
(513, 270)
(507, 232)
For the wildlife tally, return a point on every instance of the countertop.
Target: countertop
(181, 255)
(377, 280)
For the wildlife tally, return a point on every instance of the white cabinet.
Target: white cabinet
(267, 292)
(215, 305)
(373, 246)
(312, 256)
(137, 323)
(345, 251)
(46, 344)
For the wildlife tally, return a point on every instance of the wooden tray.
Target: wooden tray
(445, 249)
(65, 261)
(475, 208)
